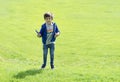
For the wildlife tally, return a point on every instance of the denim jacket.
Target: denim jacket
(43, 32)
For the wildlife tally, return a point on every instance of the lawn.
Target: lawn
(88, 49)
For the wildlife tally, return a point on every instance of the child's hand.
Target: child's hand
(38, 35)
(57, 34)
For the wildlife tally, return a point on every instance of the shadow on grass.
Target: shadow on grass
(31, 72)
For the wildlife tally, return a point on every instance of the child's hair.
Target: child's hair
(48, 14)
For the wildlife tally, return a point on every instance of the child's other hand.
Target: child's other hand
(57, 34)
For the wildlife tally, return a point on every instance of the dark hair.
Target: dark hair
(48, 14)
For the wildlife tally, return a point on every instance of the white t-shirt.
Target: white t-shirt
(49, 33)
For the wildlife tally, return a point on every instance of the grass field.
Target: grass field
(88, 49)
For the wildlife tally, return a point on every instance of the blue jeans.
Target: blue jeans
(45, 52)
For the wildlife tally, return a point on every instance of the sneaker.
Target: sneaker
(43, 66)
(52, 66)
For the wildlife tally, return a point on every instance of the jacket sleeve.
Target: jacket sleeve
(56, 30)
(41, 30)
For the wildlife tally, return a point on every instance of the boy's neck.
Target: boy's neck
(49, 23)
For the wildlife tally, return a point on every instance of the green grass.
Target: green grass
(88, 49)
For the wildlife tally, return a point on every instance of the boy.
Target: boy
(49, 31)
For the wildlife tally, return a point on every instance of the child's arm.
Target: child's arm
(57, 32)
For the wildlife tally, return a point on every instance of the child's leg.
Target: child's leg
(45, 52)
(52, 48)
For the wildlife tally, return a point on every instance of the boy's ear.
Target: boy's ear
(52, 18)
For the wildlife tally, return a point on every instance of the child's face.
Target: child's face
(48, 20)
